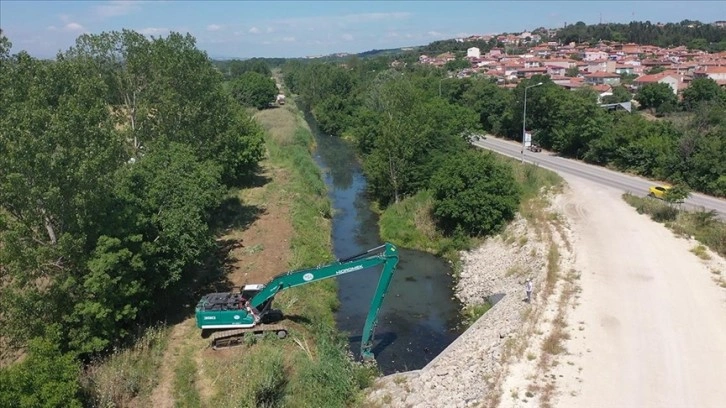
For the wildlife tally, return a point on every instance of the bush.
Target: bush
(46, 378)
(254, 89)
(475, 193)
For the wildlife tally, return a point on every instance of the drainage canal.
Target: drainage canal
(420, 315)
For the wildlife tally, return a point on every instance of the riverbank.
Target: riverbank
(281, 223)
(473, 370)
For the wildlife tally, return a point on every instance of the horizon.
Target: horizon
(283, 29)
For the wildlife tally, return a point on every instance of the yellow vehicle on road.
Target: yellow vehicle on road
(658, 191)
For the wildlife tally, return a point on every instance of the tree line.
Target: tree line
(694, 34)
(410, 139)
(114, 159)
(406, 121)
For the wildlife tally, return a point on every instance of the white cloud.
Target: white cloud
(117, 8)
(270, 29)
(367, 17)
(347, 37)
(153, 31)
(288, 39)
(214, 27)
(51, 28)
(254, 30)
(338, 20)
(434, 34)
(73, 27)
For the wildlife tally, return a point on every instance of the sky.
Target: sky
(245, 29)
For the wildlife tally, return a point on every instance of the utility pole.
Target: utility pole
(524, 118)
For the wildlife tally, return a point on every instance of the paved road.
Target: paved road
(623, 182)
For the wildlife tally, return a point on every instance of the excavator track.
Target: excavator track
(235, 337)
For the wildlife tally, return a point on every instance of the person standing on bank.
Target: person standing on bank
(528, 288)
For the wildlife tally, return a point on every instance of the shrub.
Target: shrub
(474, 193)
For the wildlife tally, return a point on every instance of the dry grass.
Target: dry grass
(517, 271)
(129, 374)
(553, 268)
(701, 252)
(279, 127)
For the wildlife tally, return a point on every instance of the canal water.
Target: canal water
(420, 315)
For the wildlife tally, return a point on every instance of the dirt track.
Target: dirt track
(650, 327)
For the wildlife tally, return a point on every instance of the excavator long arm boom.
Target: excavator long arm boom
(386, 254)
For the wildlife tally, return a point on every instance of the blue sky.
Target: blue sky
(302, 28)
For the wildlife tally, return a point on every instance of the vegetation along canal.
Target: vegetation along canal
(420, 315)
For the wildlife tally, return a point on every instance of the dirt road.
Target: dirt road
(650, 326)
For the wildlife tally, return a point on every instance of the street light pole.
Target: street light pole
(524, 117)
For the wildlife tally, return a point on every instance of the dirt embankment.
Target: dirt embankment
(260, 250)
(473, 370)
(635, 319)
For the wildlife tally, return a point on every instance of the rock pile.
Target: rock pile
(459, 376)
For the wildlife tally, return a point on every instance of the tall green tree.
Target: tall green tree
(578, 120)
(489, 101)
(655, 96)
(620, 94)
(702, 90)
(102, 211)
(167, 89)
(254, 89)
(46, 378)
(59, 155)
(412, 133)
(474, 193)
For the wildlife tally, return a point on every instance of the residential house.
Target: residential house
(528, 72)
(673, 79)
(717, 73)
(596, 65)
(555, 70)
(631, 49)
(446, 57)
(594, 55)
(623, 69)
(602, 91)
(510, 71)
(602, 78)
(559, 62)
(495, 52)
(473, 52)
(532, 63)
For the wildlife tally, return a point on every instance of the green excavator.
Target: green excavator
(227, 317)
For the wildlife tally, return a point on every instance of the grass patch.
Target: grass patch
(472, 313)
(185, 382)
(701, 252)
(410, 224)
(704, 226)
(126, 374)
(553, 268)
